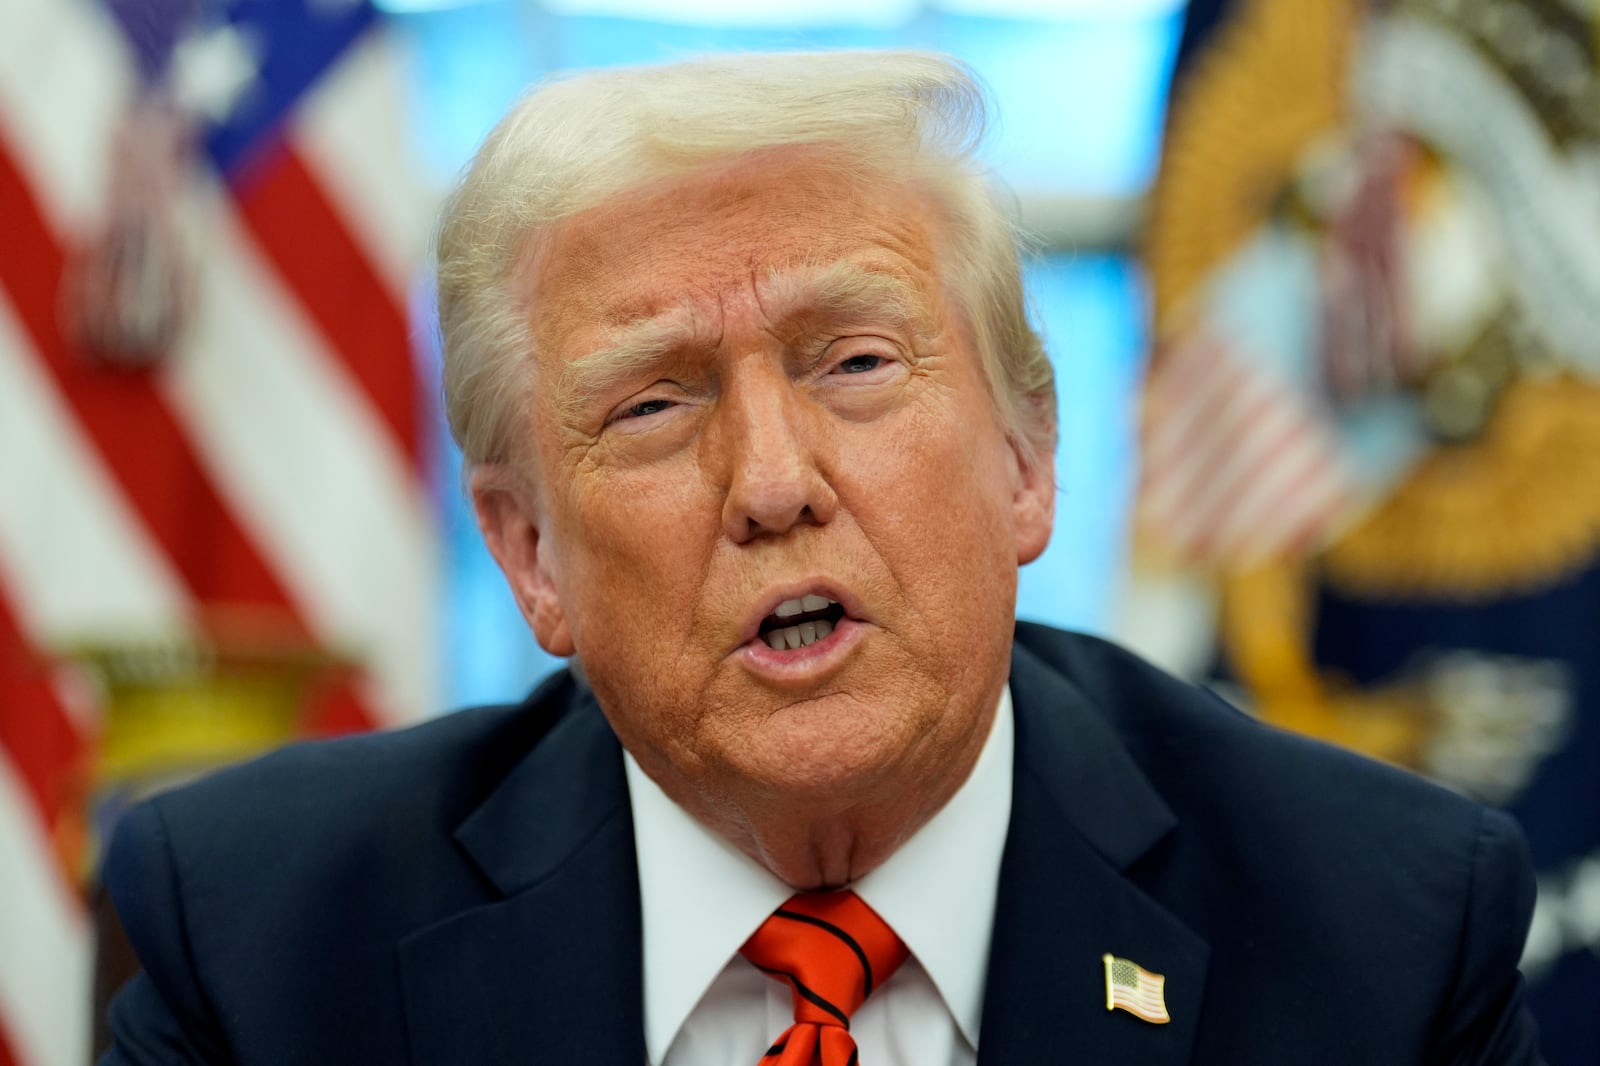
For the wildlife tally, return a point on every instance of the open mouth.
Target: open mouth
(799, 623)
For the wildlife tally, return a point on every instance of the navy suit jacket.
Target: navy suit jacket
(465, 892)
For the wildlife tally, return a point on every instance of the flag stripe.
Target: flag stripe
(1194, 478)
(350, 135)
(6, 1056)
(137, 436)
(73, 557)
(45, 950)
(1183, 418)
(133, 431)
(36, 732)
(302, 461)
(64, 81)
(295, 225)
(1302, 519)
(1301, 476)
(1140, 992)
(1183, 395)
(1223, 437)
(1247, 458)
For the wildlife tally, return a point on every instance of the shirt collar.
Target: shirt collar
(701, 897)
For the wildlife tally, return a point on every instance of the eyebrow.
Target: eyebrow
(846, 290)
(837, 291)
(626, 351)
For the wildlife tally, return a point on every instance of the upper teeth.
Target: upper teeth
(790, 608)
(805, 633)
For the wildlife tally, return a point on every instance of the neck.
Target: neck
(823, 841)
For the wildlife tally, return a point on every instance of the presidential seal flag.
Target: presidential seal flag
(208, 404)
(1136, 990)
(1370, 499)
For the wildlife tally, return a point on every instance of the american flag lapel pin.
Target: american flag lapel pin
(1136, 990)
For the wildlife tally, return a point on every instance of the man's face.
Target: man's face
(754, 395)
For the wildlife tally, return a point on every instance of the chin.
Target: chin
(830, 771)
(812, 779)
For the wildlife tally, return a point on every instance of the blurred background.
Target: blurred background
(1321, 281)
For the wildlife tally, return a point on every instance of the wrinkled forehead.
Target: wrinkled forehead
(779, 225)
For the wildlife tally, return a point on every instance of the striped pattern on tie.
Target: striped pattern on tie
(832, 950)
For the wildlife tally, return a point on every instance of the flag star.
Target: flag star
(213, 69)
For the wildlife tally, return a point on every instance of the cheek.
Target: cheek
(946, 489)
(953, 464)
(634, 551)
(638, 517)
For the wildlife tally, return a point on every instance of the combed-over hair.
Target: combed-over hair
(575, 141)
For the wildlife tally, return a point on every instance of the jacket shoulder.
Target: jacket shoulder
(429, 775)
(1350, 880)
(1195, 746)
(287, 881)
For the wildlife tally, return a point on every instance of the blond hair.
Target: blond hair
(575, 141)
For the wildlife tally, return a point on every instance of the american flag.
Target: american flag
(1237, 468)
(236, 424)
(1136, 990)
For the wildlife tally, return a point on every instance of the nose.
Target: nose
(769, 437)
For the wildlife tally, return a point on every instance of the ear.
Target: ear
(509, 520)
(1033, 501)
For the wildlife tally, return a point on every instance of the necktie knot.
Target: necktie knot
(832, 950)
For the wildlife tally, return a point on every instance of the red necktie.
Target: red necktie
(832, 950)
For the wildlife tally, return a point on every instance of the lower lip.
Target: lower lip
(805, 662)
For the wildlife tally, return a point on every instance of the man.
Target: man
(758, 432)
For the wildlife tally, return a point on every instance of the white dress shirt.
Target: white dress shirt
(704, 1005)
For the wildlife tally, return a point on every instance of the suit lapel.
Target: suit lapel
(551, 971)
(1082, 814)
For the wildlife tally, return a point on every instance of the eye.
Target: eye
(642, 409)
(860, 364)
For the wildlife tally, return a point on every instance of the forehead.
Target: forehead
(711, 240)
